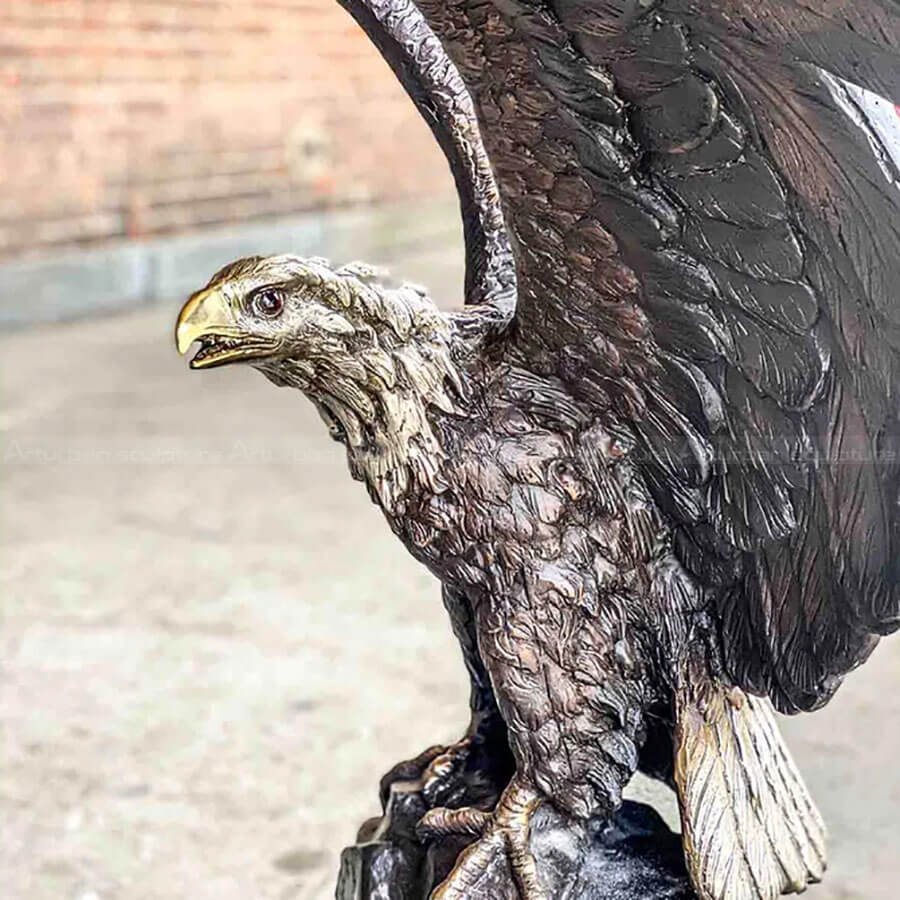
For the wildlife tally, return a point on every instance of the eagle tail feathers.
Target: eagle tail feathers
(749, 826)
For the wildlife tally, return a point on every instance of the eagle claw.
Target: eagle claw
(446, 774)
(440, 822)
(410, 770)
(506, 831)
(471, 772)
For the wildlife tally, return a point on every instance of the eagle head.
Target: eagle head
(276, 312)
(376, 360)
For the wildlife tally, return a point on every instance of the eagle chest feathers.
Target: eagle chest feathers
(544, 522)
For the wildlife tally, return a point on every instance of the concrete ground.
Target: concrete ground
(212, 647)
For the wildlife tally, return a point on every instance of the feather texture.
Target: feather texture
(701, 198)
(749, 826)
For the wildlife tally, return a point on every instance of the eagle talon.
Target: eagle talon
(439, 770)
(445, 771)
(410, 769)
(441, 822)
(505, 831)
(459, 774)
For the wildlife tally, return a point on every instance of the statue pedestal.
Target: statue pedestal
(634, 856)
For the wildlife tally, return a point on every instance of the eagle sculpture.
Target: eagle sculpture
(654, 459)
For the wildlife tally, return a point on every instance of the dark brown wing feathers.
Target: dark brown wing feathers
(414, 53)
(706, 227)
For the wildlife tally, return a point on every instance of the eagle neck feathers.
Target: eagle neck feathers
(384, 383)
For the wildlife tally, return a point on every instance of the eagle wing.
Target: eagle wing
(704, 206)
(398, 30)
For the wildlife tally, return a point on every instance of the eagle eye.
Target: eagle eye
(267, 302)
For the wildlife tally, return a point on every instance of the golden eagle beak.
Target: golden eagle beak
(209, 318)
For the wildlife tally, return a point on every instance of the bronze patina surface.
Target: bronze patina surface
(654, 460)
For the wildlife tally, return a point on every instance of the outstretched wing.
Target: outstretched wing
(403, 37)
(704, 206)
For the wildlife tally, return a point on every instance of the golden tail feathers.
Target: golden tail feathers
(750, 828)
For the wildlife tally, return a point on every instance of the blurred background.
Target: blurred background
(211, 646)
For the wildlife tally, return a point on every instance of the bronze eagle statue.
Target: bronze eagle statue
(654, 458)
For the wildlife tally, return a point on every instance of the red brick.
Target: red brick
(128, 117)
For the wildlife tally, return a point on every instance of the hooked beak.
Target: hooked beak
(208, 317)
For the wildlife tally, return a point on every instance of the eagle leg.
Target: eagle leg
(505, 832)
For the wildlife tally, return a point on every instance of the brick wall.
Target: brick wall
(139, 117)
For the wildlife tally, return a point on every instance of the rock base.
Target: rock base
(633, 856)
